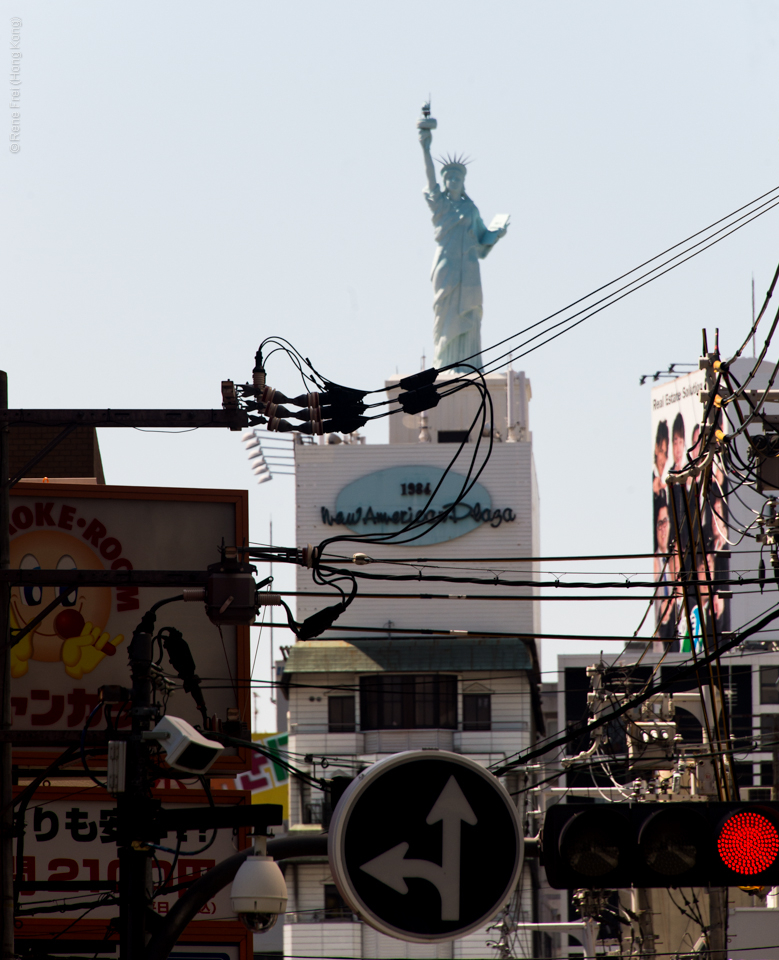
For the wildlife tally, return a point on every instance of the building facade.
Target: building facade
(412, 665)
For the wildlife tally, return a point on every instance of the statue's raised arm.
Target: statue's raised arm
(461, 241)
(426, 126)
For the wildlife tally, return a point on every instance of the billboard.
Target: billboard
(385, 501)
(267, 781)
(689, 533)
(70, 838)
(58, 667)
(69, 844)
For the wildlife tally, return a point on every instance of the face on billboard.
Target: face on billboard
(663, 530)
(73, 633)
(676, 443)
(82, 644)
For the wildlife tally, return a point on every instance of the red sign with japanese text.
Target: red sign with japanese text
(70, 839)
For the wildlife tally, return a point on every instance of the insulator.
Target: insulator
(269, 395)
(283, 426)
(258, 374)
(306, 400)
(313, 427)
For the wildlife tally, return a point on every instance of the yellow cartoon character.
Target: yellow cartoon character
(72, 633)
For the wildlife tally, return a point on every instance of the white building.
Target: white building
(400, 671)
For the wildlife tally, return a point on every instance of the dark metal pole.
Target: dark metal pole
(6, 748)
(775, 769)
(135, 810)
(204, 889)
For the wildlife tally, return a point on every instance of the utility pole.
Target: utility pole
(6, 748)
(718, 923)
(134, 808)
(643, 908)
(135, 863)
(272, 665)
(775, 768)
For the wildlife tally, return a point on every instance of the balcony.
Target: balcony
(317, 739)
(393, 741)
(339, 915)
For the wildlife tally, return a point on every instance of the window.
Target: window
(769, 676)
(744, 774)
(769, 731)
(408, 702)
(335, 907)
(477, 711)
(340, 714)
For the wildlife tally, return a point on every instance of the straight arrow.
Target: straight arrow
(392, 868)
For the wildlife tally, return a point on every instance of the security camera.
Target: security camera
(259, 893)
(185, 748)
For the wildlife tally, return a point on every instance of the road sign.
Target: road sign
(426, 846)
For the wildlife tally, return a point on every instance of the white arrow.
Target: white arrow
(392, 867)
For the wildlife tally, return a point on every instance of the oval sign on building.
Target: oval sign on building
(426, 846)
(386, 500)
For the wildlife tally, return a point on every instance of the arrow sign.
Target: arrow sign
(392, 867)
(405, 875)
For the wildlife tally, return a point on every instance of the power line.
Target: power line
(422, 632)
(768, 205)
(691, 670)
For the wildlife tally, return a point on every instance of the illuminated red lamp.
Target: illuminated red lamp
(748, 842)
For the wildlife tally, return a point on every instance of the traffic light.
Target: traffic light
(661, 844)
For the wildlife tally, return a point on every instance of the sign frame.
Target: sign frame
(198, 931)
(212, 933)
(37, 758)
(340, 823)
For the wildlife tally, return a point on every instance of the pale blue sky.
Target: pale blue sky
(195, 176)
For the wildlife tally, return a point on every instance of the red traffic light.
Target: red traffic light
(748, 842)
(667, 844)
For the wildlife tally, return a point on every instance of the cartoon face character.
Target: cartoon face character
(73, 627)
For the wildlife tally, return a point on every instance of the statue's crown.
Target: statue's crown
(454, 162)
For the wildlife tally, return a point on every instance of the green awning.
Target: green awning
(408, 655)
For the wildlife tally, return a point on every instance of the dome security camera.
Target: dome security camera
(259, 893)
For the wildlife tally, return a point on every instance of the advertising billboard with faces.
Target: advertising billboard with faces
(689, 530)
(58, 667)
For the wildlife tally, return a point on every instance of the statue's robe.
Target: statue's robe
(461, 241)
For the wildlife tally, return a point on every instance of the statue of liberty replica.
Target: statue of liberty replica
(461, 241)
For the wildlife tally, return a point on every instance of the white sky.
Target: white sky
(195, 176)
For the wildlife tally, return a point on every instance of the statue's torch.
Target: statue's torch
(426, 122)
